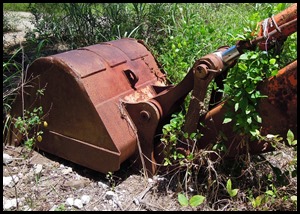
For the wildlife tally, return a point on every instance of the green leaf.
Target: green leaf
(236, 107)
(226, 87)
(190, 156)
(173, 137)
(163, 140)
(186, 135)
(233, 192)
(242, 66)
(270, 192)
(181, 156)
(196, 200)
(249, 120)
(243, 57)
(192, 136)
(257, 201)
(290, 135)
(182, 200)
(167, 162)
(274, 73)
(227, 120)
(272, 61)
(254, 56)
(258, 119)
(228, 185)
(215, 147)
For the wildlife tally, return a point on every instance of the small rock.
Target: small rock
(7, 180)
(54, 174)
(103, 185)
(78, 177)
(10, 181)
(38, 169)
(70, 201)
(26, 208)
(20, 175)
(136, 201)
(160, 178)
(150, 180)
(78, 203)
(75, 183)
(85, 199)
(53, 208)
(109, 195)
(7, 158)
(66, 170)
(111, 202)
(191, 189)
(9, 204)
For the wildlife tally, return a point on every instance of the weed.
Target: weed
(28, 126)
(231, 192)
(15, 6)
(60, 207)
(290, 138)
(112, 179)
(241, 86)
(12, 72)
(80, 24)
(194, 201)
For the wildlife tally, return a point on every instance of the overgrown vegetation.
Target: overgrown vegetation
(178, 34)
(15, 7)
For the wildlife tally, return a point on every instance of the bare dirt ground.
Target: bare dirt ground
(38, 181)
(44, 182)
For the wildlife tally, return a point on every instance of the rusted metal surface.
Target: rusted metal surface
(144, 117)
(281, 18)
(282, 24)
(278, 112)
(84, 89)
(204, 70)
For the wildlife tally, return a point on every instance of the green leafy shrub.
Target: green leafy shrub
(28, 126)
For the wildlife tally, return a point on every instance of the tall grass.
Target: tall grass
(12, 72)
(80, 24)
(16, 7)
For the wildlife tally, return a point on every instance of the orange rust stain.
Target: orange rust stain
(293, 80)
(284, 16)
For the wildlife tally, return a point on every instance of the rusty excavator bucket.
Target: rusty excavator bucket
(84, 92)
(105, 103)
